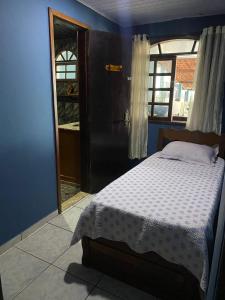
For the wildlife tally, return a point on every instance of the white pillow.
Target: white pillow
(190, 152)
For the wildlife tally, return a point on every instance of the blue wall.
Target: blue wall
(187, 26)
(27, 156)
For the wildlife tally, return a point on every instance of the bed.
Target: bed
(154, 226)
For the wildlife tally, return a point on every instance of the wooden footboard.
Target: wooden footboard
(148, 271)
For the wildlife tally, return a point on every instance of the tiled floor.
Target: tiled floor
(68, 190)
(44, 266)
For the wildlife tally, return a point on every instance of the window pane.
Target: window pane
(149, 96)
(150, 82)
(70, 75)
(69, 55)
(60, 68)
(151, 67)
(162, 81)
(161, 111)
(162, 96)
(59, 58)
(60, 75)
(73, 57)
(184, 85)
(154, 49)
(176, 46)
(70, 67)
(164, 66)
(196, 46)
(149, 109)
(64, 55)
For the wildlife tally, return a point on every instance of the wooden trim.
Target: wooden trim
(198, 137)
(54, 13)
(154, 121)
(71, 20)
(52, 49)
(148, 271)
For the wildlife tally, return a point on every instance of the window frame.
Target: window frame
(169, 56)
(66, 63)
(156, 58)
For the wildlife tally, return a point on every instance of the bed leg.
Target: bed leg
(86, 257)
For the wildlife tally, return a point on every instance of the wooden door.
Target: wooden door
(104, 100)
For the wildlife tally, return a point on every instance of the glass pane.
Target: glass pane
(176, 46)
(69, 54)
(150, 82)
(70, 67)
(151, 67)
(73, 57)
(162, 81)
(60, 75)
(60, 68)
(161, 111)
(59, 58)
(154, 49)
(162, 96)
(149, 109)
(64, 55)
(149, 96)
(196, 46)
(164, 66)
(70, 75)
(184, 85)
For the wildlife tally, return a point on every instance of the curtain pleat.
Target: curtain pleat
(139, 105)
(206, 112)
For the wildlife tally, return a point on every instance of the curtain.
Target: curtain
(206, 112)
(138, 103)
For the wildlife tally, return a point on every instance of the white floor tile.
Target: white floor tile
(48, 243)
(67, 220)
(55, 284)
(17, 270)
(83, 203)
(70, 261)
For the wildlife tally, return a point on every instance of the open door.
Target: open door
(104, 101)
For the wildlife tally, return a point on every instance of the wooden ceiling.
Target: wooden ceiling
(136, 12)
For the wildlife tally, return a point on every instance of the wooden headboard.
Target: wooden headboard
(167, 135)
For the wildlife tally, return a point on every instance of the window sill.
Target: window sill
(181, 123)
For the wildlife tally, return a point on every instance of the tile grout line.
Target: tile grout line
(19, 292)
(61, 227)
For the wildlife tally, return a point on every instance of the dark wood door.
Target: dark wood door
(104, 100)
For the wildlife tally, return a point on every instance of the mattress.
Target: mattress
(165, 206)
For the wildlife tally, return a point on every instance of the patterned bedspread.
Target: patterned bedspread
(165, 206)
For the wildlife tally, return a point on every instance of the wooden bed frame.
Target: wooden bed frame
(149, 271)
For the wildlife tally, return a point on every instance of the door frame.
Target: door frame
(54, 13)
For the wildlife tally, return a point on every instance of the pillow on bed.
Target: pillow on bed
(190, 152)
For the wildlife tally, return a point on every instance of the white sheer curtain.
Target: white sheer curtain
(139, 104)
(206, 113)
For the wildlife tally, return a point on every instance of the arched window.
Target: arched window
(171, 76)
(66, 66)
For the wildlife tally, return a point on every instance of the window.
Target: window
(171, 75)
(66, 66)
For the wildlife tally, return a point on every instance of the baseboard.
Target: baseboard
(27, 232)
(10, 243)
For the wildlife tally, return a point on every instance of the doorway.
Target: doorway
(65, 78)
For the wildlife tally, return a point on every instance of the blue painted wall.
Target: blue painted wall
(179, 27)
(153, 133)
(27, 156)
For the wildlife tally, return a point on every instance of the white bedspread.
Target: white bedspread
(165, 206)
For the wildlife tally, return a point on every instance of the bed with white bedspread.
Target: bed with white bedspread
(165, 206)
